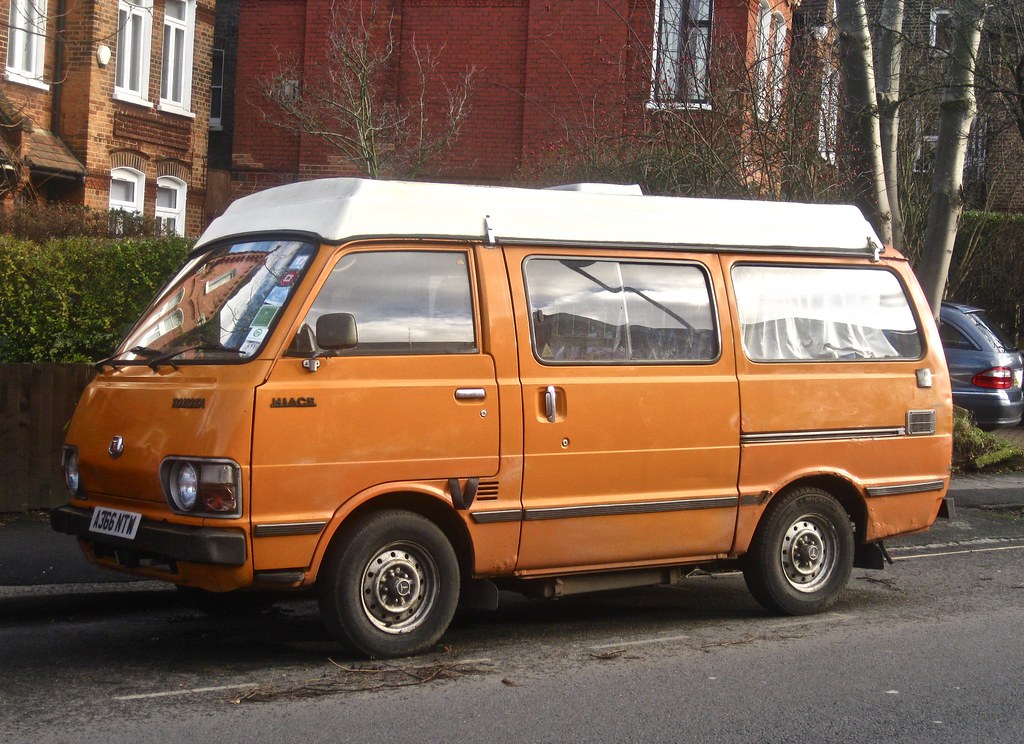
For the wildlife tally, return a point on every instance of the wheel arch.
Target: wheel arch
(847, 493)
(842, 490)
(428, 506)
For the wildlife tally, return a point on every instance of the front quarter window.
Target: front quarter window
(222, 306)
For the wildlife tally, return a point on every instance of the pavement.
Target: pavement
(35, 559)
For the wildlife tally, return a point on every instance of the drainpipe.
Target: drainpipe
(58, 68)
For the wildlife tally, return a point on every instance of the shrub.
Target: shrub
(988, 267)
(42, 222)
(71, 300)
(974, 449)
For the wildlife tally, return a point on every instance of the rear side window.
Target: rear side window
(404, 302)
(805, 313)
(952, 338)
(601, 311)
(992, 332)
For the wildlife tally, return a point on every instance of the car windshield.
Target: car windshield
(991, 331)
(221, 306)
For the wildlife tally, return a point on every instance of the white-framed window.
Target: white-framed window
(924, 157)
(176, 72)
(682, 53)
(217, 89)
(134, 33)
(941, 38)
(26, 42)
(777, 78)
(769, 60)
(828, 116)
(170, 204)
(127, 189)
(762, 58)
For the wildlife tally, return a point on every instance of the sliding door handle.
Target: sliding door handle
(550, 403)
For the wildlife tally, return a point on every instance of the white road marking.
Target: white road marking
(956, 552)
(956, 544)
(641, 642)
(795, 622)
(174, 693)
(221, 688)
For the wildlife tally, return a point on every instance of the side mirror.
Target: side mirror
(336, 331)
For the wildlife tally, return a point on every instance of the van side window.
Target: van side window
(804, 313)
(404, 302)
(595, 311)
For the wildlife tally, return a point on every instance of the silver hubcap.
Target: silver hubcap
(399, 587)
(809, 552)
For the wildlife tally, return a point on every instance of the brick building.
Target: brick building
(106, 103)
(543, 70)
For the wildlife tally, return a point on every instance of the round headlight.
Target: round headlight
(186, 486)
(71, 478)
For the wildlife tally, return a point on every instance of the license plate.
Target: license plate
(115, 522)
(1017, 374)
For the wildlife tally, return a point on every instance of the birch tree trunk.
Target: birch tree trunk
(889, 67)
(956, 113)
(862, 110)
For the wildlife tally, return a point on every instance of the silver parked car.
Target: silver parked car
(984, 366)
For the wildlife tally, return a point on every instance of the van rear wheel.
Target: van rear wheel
(802, 553)
(389, 587)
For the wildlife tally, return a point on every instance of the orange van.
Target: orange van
(407, 394)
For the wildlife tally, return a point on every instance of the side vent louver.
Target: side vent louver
(487, 491)
(920, 423)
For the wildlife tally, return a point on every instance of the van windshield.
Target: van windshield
(221, 306)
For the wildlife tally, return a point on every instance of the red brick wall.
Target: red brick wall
(543, 70)
(491, 37)
(266, 27)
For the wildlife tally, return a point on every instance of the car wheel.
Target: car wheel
(389, 586)
(802, 553)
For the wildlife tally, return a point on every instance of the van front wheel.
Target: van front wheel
(802, 553)
(390, 586)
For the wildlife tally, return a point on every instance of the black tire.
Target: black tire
(226, 604)
(802, 553)
(389, 586)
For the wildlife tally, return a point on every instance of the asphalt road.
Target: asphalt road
(929, 650)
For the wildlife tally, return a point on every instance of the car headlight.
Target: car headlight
(209, 488)
(185, 486)
(72, 478)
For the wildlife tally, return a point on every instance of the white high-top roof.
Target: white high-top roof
(341, 209)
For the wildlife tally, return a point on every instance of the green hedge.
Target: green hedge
(71, 299)
(988, 267)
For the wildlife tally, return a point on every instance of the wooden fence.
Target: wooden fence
(36, 403)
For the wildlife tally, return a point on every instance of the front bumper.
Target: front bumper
(209, 545)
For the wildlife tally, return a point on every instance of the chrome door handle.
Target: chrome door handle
(470, 394)
(550, 401)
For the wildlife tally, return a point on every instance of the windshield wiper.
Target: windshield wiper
(166, 358)
(115, 361)
(145, 351)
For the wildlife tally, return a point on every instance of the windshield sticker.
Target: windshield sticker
(288, 277)
(264, 316)
(256, 336)
(298, 262)
(277, 296)
(249, 348)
